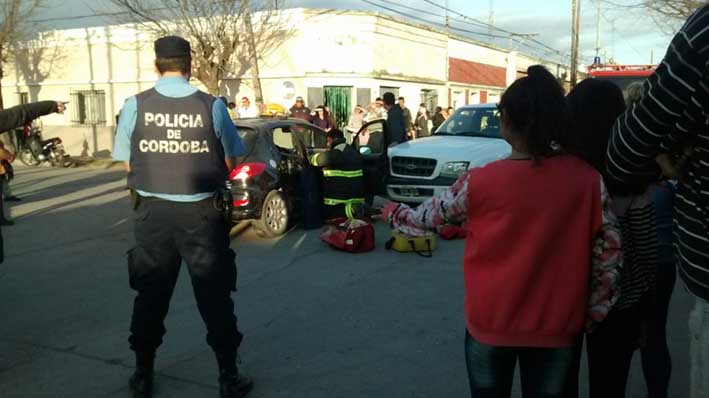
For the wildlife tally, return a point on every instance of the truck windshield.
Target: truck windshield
(473, 122)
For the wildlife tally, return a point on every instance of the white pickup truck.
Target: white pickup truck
(423, 168)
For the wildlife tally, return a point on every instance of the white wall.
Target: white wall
(325, 48)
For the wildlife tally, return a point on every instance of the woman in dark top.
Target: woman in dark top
(596, 105)
(438, 119)
(322, 119)
(421, 122)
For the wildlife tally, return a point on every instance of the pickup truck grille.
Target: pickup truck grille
(417, 167)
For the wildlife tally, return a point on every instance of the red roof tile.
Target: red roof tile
(462, 71)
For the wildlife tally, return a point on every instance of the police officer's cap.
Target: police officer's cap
(172, 47)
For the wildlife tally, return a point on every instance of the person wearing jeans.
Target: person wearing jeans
(670, 119)
(656, 360)
(537, 270)
(491, 369)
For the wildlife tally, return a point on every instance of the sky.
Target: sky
(627, 35)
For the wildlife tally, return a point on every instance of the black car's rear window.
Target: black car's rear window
(248, 137)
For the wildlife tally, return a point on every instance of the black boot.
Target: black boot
(232, 384)
(141, 383)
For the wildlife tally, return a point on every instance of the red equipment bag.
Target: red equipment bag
(350, 235)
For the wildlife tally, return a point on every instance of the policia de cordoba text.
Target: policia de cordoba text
(173, 134)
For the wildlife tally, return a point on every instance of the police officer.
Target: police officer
(179, 144)
(343, 177)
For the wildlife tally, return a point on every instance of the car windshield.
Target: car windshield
(473, 122)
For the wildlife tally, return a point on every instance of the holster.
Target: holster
(135, 198)
(224, 203)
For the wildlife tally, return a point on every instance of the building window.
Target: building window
(388, 89)
(429, 98)
(24, 98)
(364, 97)
(88, 107)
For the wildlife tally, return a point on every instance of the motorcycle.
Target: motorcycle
(32, 150)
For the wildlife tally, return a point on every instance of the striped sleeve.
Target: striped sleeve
(640, 133)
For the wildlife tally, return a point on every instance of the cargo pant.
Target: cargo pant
(167, 233)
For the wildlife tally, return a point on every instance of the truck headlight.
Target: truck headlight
(454, 169)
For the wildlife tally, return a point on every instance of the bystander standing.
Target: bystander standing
(299, 110)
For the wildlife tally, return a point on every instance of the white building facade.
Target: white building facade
(358, 55)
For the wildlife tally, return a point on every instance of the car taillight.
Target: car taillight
(247, 170)
(240, 202)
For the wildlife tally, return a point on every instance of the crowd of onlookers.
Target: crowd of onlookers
(422, 124)
(576, 239)
(580, 233)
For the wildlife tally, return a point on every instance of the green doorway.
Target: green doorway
(339, 100)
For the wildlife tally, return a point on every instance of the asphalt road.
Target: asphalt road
(318, 323)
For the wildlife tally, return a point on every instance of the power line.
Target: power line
(477, 21)
(428, 21)
(520, 40)
(76, 17)
(485, 24)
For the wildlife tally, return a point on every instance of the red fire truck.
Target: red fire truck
(622, 75)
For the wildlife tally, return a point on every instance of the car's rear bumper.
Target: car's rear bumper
(247, 204)
(415, 190)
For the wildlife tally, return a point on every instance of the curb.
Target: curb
(96, 163)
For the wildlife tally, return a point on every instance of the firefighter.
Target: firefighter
(343, 177)
(179, 145)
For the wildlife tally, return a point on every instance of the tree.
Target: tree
(227, 36)
(16, 15)
(669, 14)
(36, 58)
(676, 10)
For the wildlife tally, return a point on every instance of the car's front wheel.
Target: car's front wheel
(275, 215)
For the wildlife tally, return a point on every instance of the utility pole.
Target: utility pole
(491, 22)
(448, 55)
(598, 32)
(576, 11)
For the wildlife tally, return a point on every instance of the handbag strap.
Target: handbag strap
(427, 253)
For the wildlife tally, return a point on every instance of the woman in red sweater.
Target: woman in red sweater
(542, 254)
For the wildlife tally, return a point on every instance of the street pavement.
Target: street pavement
(318, 323)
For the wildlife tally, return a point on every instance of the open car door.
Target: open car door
(310, 139)
(372, 142)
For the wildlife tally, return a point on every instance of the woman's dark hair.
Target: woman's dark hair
(535, 109)
(174, 64)
(595, 106)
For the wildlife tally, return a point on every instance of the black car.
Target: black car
(266, 181)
